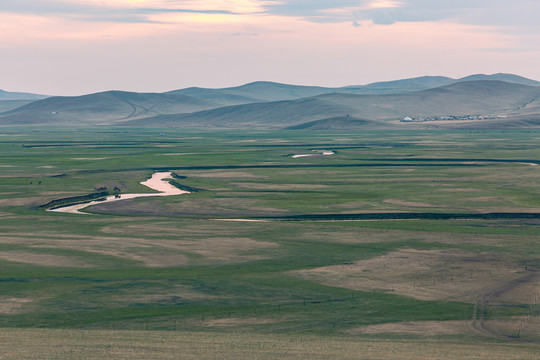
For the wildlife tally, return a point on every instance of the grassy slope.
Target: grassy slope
(6, 105)
(335, 124)
(102, 108)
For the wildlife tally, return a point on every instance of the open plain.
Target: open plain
(418, 243)
(269, 179)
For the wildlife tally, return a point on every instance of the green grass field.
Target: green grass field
(192, 265)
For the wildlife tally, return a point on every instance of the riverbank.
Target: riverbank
(157, 182)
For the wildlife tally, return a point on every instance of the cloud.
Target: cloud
(245, 34)
(36, 7)
(514, 14)
(218, 43)
(113, 11)
(188, 11)
(317, 10)
(383, 12)
(517, 13)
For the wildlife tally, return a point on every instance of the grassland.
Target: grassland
(94, 344)
(268, 246)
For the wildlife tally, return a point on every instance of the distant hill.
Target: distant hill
(429, 82)
(264, 91)
(6, 105)
(481, 97)
(511, 78)
(217, 96)
(5, 95)
(335, 123)
(276, 114)
(102, 108)
(260, 91)
(399, 86)
(274, 106)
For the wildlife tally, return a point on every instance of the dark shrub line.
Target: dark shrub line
(176, 176)
(276, 166)
(74, 200)
(183, 187)
(439, 160)
(407, 216)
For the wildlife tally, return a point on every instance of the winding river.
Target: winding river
(157, 182)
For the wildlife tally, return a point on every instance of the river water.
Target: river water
(157, 182)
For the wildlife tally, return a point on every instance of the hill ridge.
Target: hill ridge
(275, 105)
(480, 97)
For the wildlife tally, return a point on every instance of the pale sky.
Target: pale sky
(72, 47)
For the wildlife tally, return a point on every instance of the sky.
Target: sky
(74, 47)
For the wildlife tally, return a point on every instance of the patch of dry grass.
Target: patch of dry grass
(149, 257)
(170, 295)
(11, 306)
(421, 328)
(166, 228)
(459, 190)
(152, 252)
(90, 158)
(41, 259)
(219, 206)
(236, 322)
(224, 175)
(269, 186)
(423, 274)
(94, 344)
(409, 203)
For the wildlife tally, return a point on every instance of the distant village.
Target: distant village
(452, 117)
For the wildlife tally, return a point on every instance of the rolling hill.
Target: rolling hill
(6, 95)
(399, 86)
(511, 78)
(275, 114)
(102, 108)
(481, 97)
(264, 91)
(346, 122)
(259, 91)
(13, 100)
(7, 105)
(273, 105)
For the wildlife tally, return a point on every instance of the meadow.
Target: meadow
(411, 240)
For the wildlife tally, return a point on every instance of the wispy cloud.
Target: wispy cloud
(119, 10)
(170, 43)
(517, 13)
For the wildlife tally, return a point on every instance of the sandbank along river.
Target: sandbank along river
(317, 153)
(157, 182)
